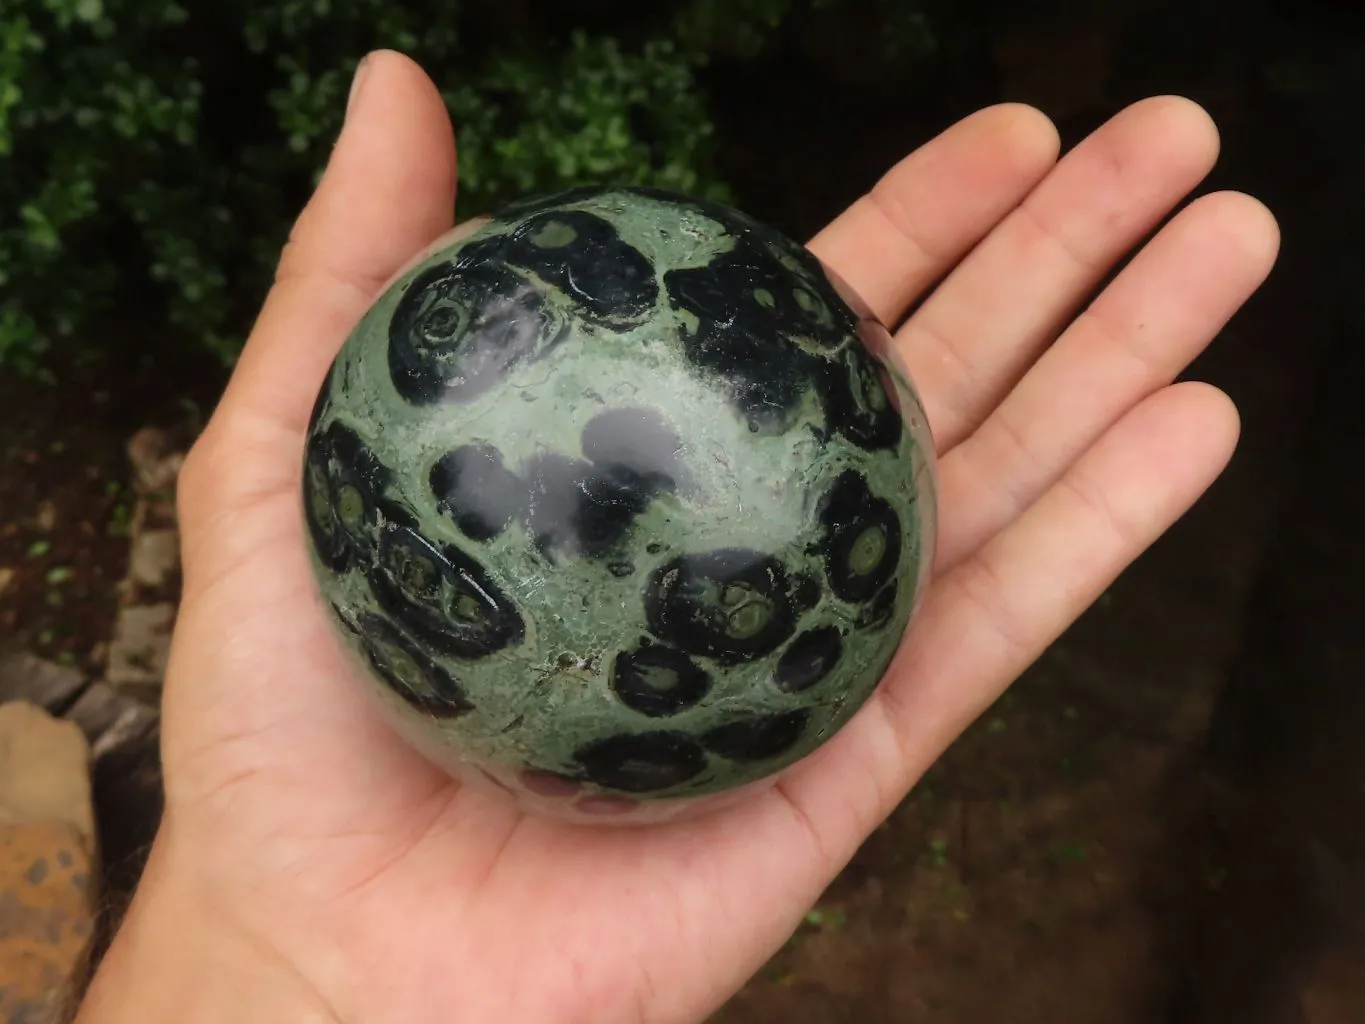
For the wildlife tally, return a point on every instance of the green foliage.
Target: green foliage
(153, 153)
(571, 120)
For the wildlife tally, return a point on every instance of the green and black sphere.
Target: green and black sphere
(619, 498)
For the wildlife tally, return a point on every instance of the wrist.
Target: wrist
(178, 957)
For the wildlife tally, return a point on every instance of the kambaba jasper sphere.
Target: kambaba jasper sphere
(620, 502)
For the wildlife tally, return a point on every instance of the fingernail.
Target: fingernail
(361, 70)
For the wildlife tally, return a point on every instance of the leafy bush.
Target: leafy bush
(153, 152)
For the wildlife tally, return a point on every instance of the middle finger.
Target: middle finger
(973, 338)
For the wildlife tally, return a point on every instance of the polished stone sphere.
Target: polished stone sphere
(619, 500)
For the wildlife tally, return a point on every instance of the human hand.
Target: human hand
(310, 866)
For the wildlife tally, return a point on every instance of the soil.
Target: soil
(66, 491)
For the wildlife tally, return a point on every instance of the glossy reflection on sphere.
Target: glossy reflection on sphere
(618, 503)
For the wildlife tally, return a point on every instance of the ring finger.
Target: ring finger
(1139, 334)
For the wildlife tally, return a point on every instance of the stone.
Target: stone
(620, 498)
(44, 769)
(140, 648)
(25, 676)
(110, 719)
(46, 919)
(154, 557)
(47, 863)
(46, 518)
(156, 457)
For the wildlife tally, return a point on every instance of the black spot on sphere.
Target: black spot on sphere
(328, 540)
(658, 681)
(473, 486)
(583, 256)
(738, 339)
(344, 483)
(409, 672)
(621, 569)
(800, 290)
(577, 508)
(805, 592)
(757, 739)
(731, 604)
(808, 659)
(859, 399)
(642, 762)
(862, 542)
(354, 460)
(877, 613)
(462, 325)
(443, 596)
(639, 442)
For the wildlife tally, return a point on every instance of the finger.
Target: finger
(986, 621)
(935, 205)
(1142, 331)
(973, 338)
(388, 191)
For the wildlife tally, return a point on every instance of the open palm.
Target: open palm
(299, 824)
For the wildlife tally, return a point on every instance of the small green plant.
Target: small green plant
(826, 917)
(938, 852)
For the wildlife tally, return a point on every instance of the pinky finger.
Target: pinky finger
(989, 618)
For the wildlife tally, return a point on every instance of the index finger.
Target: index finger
(929, 210)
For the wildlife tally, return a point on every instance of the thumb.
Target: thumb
(387, 193)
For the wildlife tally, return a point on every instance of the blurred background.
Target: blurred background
(1164, 821)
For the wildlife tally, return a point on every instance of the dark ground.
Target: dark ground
(1164, 821)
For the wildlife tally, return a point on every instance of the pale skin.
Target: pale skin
(311, 868)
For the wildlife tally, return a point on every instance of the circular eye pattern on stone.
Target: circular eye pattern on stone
(862, 538)
(584, 257)
(856, 400)
(757, 739)
(443, 596)
(461, 326)
(413, 676)
(732, 604)
(552, 233)
(343, 484)
(350, 508)
(658, 681)
(808, 659)
(813, 307)
(743, 313)
(642, 762)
